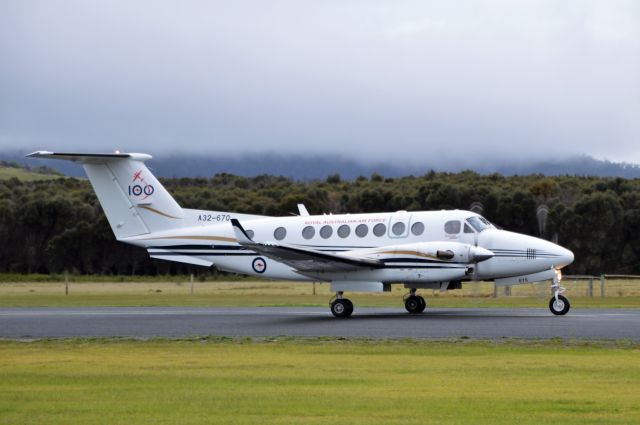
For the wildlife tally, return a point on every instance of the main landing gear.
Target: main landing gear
(341, 307)
(414, 303)
(558, 304)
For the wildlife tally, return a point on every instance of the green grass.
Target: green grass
(620, 294)
(321, 381)
(7, 173)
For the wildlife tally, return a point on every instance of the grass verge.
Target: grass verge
(318, 381)
(261, 293)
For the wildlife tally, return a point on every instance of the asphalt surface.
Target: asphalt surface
(175, 322)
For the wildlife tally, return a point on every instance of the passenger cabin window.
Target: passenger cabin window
(344, 231)
(250, 233)
(280, 233)
(326, 232)
(308, 232)
(362, 230)
(417, 228)
(452, 227)
(379, 229)
(398, 228)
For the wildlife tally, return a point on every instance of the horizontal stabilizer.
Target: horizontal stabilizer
(89, 158)
(172, 256)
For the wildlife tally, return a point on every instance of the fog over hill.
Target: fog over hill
(301, 167)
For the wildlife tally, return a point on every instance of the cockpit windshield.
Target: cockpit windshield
(479, 223)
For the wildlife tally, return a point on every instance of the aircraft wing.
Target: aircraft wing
(303, 259)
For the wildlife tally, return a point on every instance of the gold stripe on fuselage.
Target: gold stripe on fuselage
(408, 252)
(148, 208)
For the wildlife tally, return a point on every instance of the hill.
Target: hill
(308, 167)
(9, 171)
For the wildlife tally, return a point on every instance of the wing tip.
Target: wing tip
(38, 154)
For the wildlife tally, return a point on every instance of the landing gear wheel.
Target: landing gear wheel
(422, 302)
(341, 307)
(559, 307)
(415, 304)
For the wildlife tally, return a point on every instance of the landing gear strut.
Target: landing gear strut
(414, 303)
(341, 307)
(558, 304)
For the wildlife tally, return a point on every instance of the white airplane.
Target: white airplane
(355, 252)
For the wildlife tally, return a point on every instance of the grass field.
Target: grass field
(619, 294)
(318, 382)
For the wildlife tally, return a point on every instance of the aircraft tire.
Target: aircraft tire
(414, 305)
(561, 307)
(423, 303)
(342, 307)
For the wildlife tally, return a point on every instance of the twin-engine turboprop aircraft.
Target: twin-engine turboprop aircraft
(355, 252)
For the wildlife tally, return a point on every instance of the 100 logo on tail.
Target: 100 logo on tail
(142, 188)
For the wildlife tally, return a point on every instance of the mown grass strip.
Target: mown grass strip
(318, 381)
(261, 293)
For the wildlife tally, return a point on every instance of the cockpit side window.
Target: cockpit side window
(452, 227)
(479, 223)
(467, 228)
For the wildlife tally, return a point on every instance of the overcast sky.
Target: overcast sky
(366, 79)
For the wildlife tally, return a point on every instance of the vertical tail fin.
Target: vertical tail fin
(133, 200)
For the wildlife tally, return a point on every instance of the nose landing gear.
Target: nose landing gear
(414, 303)
(558, 304)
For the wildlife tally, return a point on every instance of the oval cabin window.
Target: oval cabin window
(452, 227)
(344, 231)
(417, 228)
(280, 233)
(308, 232)
(362, 230)
(326, 232)
(398, 228)
(379, 229)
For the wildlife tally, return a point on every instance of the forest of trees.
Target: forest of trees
(57, 225)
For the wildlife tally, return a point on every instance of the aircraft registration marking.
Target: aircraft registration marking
(219, 218)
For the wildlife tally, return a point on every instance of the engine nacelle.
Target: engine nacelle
(454, 252)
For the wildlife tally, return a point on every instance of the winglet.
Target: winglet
(241, 234)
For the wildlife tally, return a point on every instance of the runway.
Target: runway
(176, 322)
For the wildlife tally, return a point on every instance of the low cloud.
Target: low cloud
(375, 80)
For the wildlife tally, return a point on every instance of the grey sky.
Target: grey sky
(376, 79)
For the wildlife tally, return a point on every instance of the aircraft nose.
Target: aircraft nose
(565, 258)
